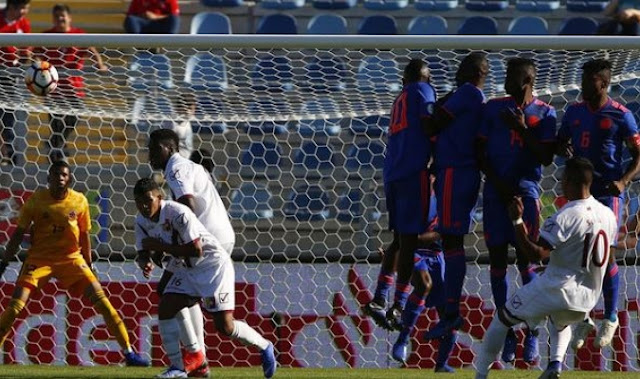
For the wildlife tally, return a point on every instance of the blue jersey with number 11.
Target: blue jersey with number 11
(408, 148)
(599, 135)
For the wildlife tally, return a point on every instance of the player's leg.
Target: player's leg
(376, 307)
(559, 338)
(134, 24)
(499, 288)
(408, 245)
(493, 340)
(446, 346)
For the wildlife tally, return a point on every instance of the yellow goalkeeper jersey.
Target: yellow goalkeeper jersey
(55, 224)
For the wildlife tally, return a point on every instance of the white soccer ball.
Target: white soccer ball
(41, 78)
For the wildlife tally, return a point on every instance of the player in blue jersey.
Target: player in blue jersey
(517, 137)
(597, 129)
(406, 182)
(456, 125)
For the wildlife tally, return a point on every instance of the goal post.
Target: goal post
(295, 127)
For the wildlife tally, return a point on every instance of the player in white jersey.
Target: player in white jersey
(191, 185)
(201, 268)
(577, 240)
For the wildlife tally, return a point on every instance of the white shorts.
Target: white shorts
(534, 302)
(216, 285)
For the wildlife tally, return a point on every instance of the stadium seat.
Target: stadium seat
(379, 75)
(307, 203)
(479, 25)
(313, 159)
(537, 5)
(435, 5)
(334, 4)
(327, 24)
(528, 25)
(272, 73)
(578, 26)
(486, 5)
(365, 160)
(282, 4)
(263, 107)
(371, 126)
(207, 108)
(378, 24)
(206, 72)
(277, 24)
(222, 3)
(326, 73)
(349, 205)
(586, 5)
(261, 159)
(428, 25)
(210, 23)
(385, 5)
(319, 106)
(149, 70)
(152, 112)
(251, 202)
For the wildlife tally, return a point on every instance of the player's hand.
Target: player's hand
(615, 188)
(516, 208)
(565, 149)
(156, 257)
(514, 118)
(152, 244)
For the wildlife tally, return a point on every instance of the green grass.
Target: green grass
(42, 371)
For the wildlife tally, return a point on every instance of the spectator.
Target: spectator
(624, 18)
(12, 20)
(182, 126)
(153, 17)
(71, 84)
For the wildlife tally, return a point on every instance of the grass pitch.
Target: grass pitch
(115, 372)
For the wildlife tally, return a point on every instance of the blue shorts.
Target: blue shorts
(498, 226)
(433, 263)
(457, 193)
(408, 203)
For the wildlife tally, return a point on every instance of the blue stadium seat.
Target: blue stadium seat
(208, 108)
(365, 160)
(148, 71)
(313, 159)
(379, 75)
(486, 5)
(378, 24)
(528, 25)
(261, 159)
(327, 24)
(349, 205)
(537, 5)
(428, 25)
(385, 5)
(277, 24)
(282, 4)
(222, 3)
(371, 126)
(307, 203)
(321, 126)
(479, 25)
(152, 112)
(334, 4)
(435, 5)
(251, 202)
(267, 107)
(206, 72)
(326, 73)
(210, 23)
(578, 26)
(272, 73)
(586, 5)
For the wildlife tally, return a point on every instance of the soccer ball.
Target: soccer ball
(41, 78)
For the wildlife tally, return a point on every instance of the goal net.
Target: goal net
(293, 128)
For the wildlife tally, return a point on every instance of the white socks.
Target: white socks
(492, 342)
(187, 331)
(197, 320)
(248, 336)
(170, 333)
(559, 341)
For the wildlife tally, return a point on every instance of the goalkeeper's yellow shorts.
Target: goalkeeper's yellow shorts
(72, 274)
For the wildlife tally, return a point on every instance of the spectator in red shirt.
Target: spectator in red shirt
(153, 17)
(69, 60)
(12, 20)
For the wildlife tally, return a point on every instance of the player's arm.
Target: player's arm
(506, 193)
(84, 241)
(438, 121)
(542, 151)
(192, 249)
(629, 131)
(189, 201)
(144, 262)
(13, 246)
(98, 59)
(535, 251)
